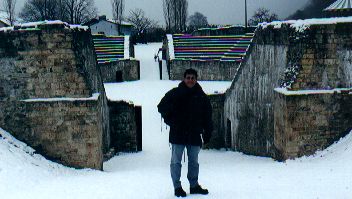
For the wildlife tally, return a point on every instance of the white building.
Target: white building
(108, 27)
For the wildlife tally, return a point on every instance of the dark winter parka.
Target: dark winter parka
(188, 112)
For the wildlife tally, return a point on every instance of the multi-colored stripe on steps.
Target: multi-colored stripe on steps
(108, 48)
(211, 48)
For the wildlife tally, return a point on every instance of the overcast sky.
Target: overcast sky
(217, 11)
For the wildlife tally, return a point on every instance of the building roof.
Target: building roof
(103, 18)
(124, 23)
(340, 5)
(3, 18)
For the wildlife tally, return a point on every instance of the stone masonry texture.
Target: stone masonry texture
(130, 70)
(217, 102)
(209, 70)
(307, 123)
(53, 61)
(262, 122)
(124, 136)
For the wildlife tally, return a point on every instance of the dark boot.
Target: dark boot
(179, 192)
(198, 190)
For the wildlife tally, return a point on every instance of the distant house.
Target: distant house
(108, 27)
(3, 24)
(3, 21)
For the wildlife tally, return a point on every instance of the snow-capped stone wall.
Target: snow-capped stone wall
(227, 30)
(41, 67)
(310, 122)
(249, 102)
(296, 56)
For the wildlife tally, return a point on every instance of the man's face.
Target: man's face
(190, 80)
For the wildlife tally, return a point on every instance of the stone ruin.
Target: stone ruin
(115, 57)
(290, 96)
(52, 96)
(293, 95)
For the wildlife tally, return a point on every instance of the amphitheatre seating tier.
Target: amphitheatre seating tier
(211, 48)
(108, 48)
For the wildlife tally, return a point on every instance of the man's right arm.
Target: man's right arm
(165, 107)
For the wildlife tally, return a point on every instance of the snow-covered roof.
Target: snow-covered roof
(122, 22)
(3, 18)
(340, 5)
(34, 25)
(301, 25)
(103, 18)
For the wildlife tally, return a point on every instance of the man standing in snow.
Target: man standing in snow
(188, 112)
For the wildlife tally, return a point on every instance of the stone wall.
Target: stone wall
(234, 30)
(249, 102)
(217, 103)
(130, 70)
(317, 58)
(54, 62)
(207, 70)
(326, 61)
(307, 123)
(125, 130)
(68, 132)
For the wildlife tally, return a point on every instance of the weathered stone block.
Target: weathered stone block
(45, 64)
(129, 69)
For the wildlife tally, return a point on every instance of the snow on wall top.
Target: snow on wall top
(94, 97)
(302, 25)
(284, 91)
(340, 5)
(171, 46)
(34, 25)
(126, 47)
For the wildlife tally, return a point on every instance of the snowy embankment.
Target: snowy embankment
(327, 174)
(145, 175)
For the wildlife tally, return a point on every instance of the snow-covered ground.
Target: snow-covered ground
(227, 175)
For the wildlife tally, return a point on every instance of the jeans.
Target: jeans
(193, 166)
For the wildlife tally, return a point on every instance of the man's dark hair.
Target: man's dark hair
(190, 71)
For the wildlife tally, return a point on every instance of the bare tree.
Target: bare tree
(71, 11)
(183, 15)
(175, 14)
(262, 15)
(138, 19)
(118, 8)
(197, 20)
(313, 9)
(35, 10)
(79, 11)
(9, 8)
(167, 14)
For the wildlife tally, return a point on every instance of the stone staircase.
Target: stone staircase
(211, 48)
(108, 48)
